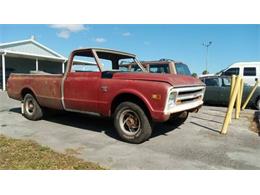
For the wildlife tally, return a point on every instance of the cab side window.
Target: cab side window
(226, 82)
(249, 71)
(83, 63)
(231, 71)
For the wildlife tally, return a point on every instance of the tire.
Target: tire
(131, 123)
(178, 118)
(32, 109)
(258, 104)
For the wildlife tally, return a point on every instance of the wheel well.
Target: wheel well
(26, 91)
(128, 97)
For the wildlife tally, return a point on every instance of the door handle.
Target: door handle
(104, 88)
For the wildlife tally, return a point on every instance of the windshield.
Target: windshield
(182, 69)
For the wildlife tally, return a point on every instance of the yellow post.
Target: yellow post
(250, 95)
(242, 90)
(230, 106)
(238, 102)
(233, 81)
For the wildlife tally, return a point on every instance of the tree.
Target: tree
(194, 75)
(205, 72)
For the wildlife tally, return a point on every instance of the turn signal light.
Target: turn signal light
(156, 97)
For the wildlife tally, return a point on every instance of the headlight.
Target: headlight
(171, 100)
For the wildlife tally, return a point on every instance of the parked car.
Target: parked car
(218, 90)
(250, 71)
(133, 99)
(160, 66)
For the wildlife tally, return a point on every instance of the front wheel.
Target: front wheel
(32, 109)
(131, 123)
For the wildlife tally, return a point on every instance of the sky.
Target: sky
(230, 43)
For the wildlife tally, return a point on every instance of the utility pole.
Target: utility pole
(207, 44)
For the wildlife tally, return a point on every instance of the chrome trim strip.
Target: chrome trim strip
(83, 112)
(190, 96)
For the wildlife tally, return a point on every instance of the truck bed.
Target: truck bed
(46, 88)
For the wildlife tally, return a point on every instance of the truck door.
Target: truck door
(225, 90)
(81, 84)
(213, 91)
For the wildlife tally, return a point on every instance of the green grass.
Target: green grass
(26, 154)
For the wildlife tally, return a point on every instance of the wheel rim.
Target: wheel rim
(29, 106)
(130, 122)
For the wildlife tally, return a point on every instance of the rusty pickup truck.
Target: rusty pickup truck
(94, 84)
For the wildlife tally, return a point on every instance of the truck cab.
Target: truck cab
(166, 66)
(249, 71)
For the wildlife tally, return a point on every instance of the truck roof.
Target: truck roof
(161, 61)
(109, 51)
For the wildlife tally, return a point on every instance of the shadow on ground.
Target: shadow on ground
(96, 124)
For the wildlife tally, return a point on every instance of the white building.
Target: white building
(27, 55)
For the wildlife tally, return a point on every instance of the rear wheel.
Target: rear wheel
(131, 123)
(179, 118)
(32, 109)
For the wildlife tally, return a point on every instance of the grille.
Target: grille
(189, 94)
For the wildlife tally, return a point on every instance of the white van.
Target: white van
(249, 71)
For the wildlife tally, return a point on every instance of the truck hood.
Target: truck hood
(172, 79)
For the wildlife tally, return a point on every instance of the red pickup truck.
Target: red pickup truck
(93, 83)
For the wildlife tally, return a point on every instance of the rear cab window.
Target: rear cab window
(159, 68)
(129, 66)
(135, 68)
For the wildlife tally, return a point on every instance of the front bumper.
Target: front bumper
(185, 99)
(162, 116)
(184, 107)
